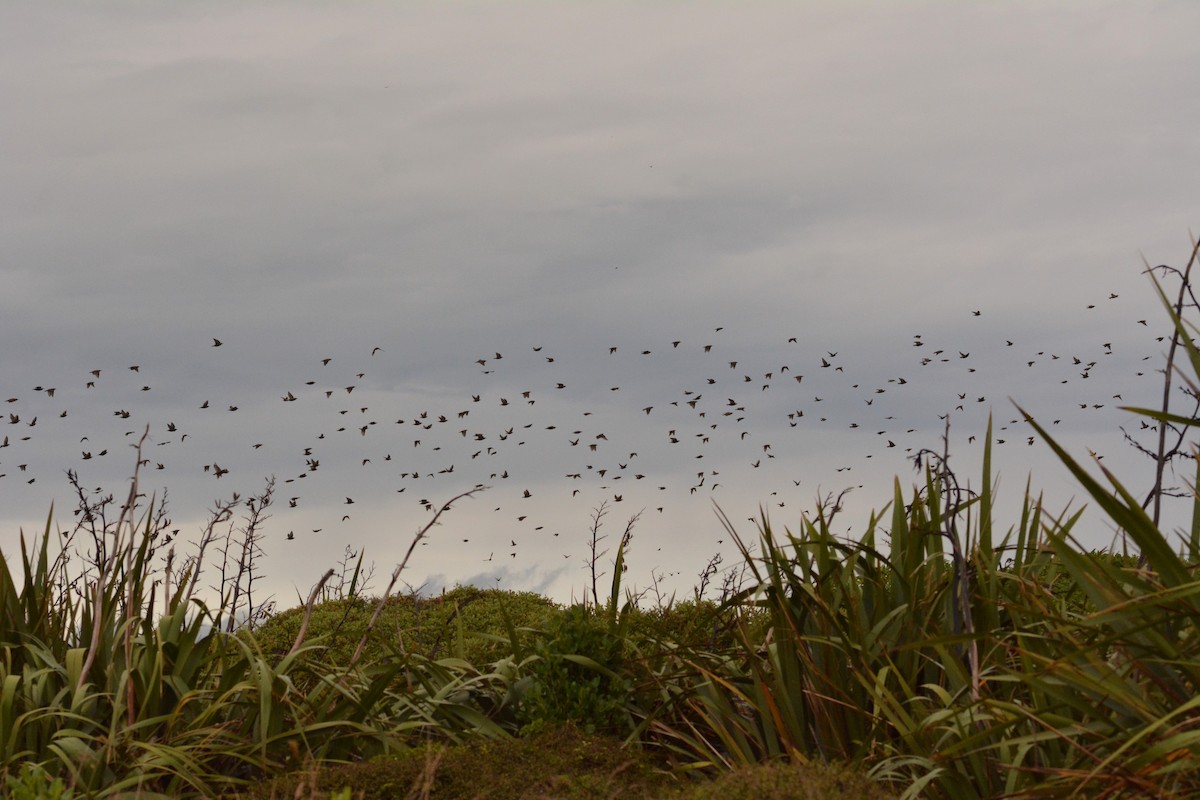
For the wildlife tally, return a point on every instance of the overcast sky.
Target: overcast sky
(881, 183)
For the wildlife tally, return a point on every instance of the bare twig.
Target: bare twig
(244, 580)
(594, 547)
(710, 569)
(1161, 460)
(954, 494)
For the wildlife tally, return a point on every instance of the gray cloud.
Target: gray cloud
(306, 182)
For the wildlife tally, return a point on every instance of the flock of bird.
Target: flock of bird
(645, 428)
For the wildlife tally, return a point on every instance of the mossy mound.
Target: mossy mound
(559, 763)
(457, 623)
(788, 781)
(563, 763)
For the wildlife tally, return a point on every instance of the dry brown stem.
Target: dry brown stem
(421, 534)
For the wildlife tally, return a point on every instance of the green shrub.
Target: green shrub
(464, 622)
(34, 783)
(577, 676)
(705, 624)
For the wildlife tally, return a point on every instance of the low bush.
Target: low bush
(464, 622)
(701, 624)
(579, 675)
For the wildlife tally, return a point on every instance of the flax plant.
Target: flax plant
(117, 677)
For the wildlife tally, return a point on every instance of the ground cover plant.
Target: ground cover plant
(941, 652)
(559, 762)
(464, 622)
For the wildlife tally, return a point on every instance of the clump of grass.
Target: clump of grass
(33, 783)
(954, 667)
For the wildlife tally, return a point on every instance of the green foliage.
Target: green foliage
(935, 666)
(33, 783)
(577, 674)
(705, 624)
(465, 622)
(1074, 597)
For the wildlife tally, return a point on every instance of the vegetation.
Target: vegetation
(465, 622)
(936, 654)
(559, 762)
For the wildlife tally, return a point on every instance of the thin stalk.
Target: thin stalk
(421, 534)
(1161, 460)
(308, 608)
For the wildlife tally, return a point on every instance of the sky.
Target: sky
(466, 207)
